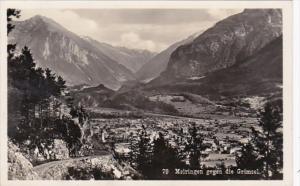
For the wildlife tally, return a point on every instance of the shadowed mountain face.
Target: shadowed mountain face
(258, 75)
(130, 58)
(230, 41)
(159, 63)
(67, 54)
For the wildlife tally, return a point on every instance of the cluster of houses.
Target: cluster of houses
(222, 139)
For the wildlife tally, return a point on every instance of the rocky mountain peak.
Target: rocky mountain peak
(42, 22)
(228, 42)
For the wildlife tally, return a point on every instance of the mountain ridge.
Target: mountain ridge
(132, 59)
(159, 62)
(67, 54)
(228, 41)
(258, 75)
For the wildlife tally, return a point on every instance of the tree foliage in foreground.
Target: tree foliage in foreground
(35, 100)
(265, 150)
(154, 157)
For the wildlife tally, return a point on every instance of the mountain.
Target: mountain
(158, 63)
(258, 75)
(67, 54)
(229, 42)
(130, 58)
(92, 96)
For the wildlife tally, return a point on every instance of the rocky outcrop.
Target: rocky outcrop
(56, 151)
(230, 41)
(19, 168)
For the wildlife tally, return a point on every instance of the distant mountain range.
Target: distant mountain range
(132, 59)
(159, 63)
(239, 56)
(78, 60)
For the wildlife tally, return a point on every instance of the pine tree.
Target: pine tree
(133, 146)
(248, 158)
(164, 157)
(60, 84)
(39, 94)
(143, 154)
(194, 147)
(10, 14)
(268, 140)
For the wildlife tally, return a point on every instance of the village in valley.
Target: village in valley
(222, 138)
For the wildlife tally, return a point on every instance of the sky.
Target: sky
(150, 29)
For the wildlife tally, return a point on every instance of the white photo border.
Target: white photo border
(287, 11)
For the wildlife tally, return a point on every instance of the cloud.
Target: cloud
(155, 16)
(161, 26)
(133, 40)
(162, 35)
(222, 13)
(151, 29)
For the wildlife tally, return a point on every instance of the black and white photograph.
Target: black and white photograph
(145, 94)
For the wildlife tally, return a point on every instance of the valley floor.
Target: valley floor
(222, 136)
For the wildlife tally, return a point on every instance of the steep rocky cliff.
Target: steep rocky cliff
(258, 75)
(230, 41)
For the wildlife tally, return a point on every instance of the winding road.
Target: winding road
(57, 169)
